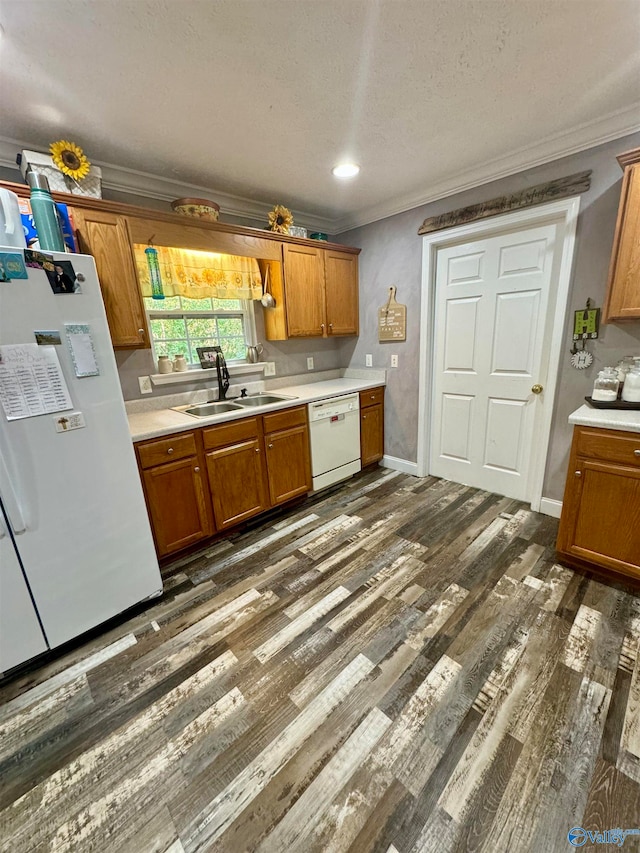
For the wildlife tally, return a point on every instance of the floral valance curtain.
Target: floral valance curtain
(198, 275)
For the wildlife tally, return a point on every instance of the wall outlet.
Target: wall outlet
(368, 360)
(394, 361)
(145, 384)
(310, 363)
(269, 368)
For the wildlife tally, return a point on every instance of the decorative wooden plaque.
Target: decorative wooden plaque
(392, 319)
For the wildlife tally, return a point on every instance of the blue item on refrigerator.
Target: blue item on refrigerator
(31, 233)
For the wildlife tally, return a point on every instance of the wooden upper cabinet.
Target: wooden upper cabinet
(304, 291)
(320, 294)
(623, 292)
(106, 236)
(341, 292)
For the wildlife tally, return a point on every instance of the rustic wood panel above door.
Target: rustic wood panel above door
(551, 191)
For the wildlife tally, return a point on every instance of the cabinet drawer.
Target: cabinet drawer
(371, 397)
(610, 446)
(232, 433)
(167, 449)
(284, 420)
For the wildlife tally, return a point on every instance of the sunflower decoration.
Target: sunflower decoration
(280, 219)
(70, 159)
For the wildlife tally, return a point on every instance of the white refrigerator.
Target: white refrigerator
(75, 543)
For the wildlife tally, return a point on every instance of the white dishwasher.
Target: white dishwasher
(334, 428)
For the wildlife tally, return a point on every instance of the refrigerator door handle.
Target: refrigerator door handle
(10, 501)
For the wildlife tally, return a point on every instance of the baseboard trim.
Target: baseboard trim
(548, 506)
(398, 464)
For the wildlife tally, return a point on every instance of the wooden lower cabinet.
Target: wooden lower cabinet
(600, 522)
(236, 478)
(288, 460)
(371, 426)
(288, 463)
(177, 504)
(214, 478)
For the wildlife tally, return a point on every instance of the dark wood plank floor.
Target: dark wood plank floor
(397, 665)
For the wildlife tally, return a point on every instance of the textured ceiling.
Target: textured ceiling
(260, 98)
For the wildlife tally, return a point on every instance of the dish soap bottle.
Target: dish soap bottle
(45, 215)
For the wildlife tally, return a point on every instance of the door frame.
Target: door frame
(564, 213)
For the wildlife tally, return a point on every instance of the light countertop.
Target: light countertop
(163, 421)
(606, 418)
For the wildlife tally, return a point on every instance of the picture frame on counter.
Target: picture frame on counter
(207, 356)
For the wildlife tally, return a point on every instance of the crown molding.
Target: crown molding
(145, 185)
(580, 138)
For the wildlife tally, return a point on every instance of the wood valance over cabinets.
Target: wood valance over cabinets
(550, 191)
(315, 284)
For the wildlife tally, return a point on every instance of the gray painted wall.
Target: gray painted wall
(392, 254)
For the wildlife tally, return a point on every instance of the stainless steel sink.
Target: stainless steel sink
(263, 399)
(205, 410)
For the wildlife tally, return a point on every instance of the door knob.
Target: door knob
(537, 389)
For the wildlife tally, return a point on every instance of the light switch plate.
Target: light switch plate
(269, 368)
(310, 363)
(145, 384)
(368, 360)
(394, 361)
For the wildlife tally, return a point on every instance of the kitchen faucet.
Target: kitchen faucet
(223, 374)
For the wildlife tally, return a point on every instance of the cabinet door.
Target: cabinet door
(177, 504)
(304, 291)
(236, 480)
(288, 464)
(601, 516)
(106, 237)
(623, 294)
(341, 292)
(371, 434)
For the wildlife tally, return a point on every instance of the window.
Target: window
(179, 325)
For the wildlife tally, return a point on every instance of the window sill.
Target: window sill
(209, 375)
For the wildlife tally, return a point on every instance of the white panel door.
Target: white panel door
(491, 299)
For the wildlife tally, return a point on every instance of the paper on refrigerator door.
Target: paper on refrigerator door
(31, 381)
(83, 355)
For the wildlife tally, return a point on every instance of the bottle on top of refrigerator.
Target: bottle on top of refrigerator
(45, 214)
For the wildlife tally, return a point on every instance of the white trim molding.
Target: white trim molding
(563, 213)
(549, 506)
(397, 464)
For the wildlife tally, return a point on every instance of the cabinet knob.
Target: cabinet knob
(322, 326)
(636, 452)
(257, 450)
(364, 417)
(578, 473)
(331, 325)
(170, 450)
(373, 396)
(270, 446)
(197, 468)
(141, 332)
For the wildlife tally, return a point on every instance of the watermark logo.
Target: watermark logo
(578, 837)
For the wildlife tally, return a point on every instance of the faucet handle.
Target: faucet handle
(243, 392)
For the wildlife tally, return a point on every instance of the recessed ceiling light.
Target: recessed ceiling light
(346, 170)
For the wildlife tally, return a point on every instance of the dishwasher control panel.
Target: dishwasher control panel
(334, 407)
